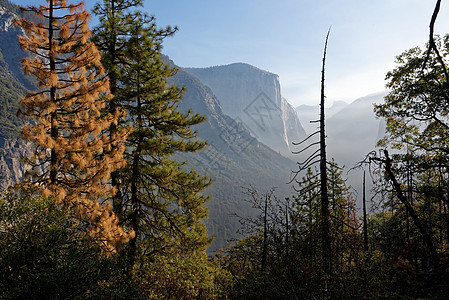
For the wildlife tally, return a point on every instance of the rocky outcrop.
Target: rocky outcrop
(253, 97)
(11, 166)
(9, 45)
(13, 84)
(233, 159)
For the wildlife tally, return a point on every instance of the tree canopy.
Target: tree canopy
(73, 155)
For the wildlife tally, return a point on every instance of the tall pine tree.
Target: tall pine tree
(160, 200)
(111, 38)
(164, 202)
(73, 156)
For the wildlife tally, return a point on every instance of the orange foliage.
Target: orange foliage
(74, 156)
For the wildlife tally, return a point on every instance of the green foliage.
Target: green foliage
(409, 242)
(293, 260)
(416, 111)
(157, 197)
(393, 267)
(43, 255)
(416, 108)
(181, 277)
(11, 90)
(396, 264)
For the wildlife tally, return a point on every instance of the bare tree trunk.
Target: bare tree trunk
(325, 214)
(265, 236)
(365, 222)
(54, 127)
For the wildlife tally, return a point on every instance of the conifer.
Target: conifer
(111, 38)
(161, 200)
(74, 156)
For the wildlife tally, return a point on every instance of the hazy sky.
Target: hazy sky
(286, 37)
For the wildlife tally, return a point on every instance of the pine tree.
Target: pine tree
(160, 200)
(164, 199)
(73, 156)
(111, 38)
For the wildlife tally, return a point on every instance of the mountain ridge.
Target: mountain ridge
(253, 97)
(245, 149)
(234, 159)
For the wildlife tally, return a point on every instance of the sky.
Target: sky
(286, 37)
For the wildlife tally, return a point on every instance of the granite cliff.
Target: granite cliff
(233, 159)
(11, 166)
(13, 84)
(253, 97)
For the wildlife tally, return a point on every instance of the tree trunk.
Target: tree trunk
(325, 214)
(265, 236)
(365, 222)
(400, 194)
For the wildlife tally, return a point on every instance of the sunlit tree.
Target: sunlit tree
(73, 156)
(160, 199)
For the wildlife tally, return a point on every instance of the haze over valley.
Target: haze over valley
(262, 155)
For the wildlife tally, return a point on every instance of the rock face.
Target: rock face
(11, 166)
(253, 97)
(6, 19)
(12, 87)
(233, 159)
(9, 45)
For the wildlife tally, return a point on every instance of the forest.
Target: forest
(106, 211)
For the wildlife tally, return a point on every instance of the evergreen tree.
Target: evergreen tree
(416, 115)
(159, 199)
(111, 38)
(165, 207)
(73, 156)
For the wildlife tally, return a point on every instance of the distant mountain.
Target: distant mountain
(354, 127)
(253, 97)
(352, 131)
(250, 129)
(234, 159)
(13, 85)
(307, 113)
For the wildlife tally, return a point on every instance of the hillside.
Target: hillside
(253, 97)
(234, 159)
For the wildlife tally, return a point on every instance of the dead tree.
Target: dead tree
(325, 215)
(319, 156)
(365, 222)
